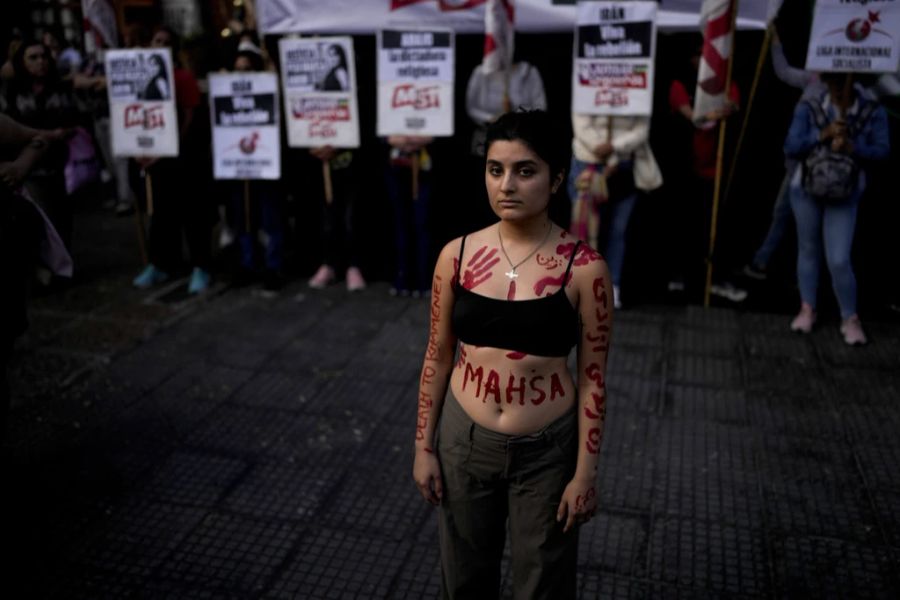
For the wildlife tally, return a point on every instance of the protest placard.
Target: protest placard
(861, 36)
(318, 77)
(246, 141)
(615, 44)
(141, 89)
(415, 82)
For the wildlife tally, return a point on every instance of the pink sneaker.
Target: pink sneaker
(805, 319)
(322, 278)
(853, 332)
(355, 281)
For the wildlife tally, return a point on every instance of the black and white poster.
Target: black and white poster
(415, 82)
(615, 43)
(246, 141)
(141, 89)
(318, 76)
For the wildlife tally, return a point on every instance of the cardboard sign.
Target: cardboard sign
(246, 141)
(141, 89)
(415, 82)
(861, 36)
(319, 81)
(615, 43)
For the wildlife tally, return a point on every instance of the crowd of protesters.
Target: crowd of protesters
(49, 85)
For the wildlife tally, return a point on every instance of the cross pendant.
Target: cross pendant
(511, 274)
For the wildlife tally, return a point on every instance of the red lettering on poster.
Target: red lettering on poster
(422, 98)
(149, 117)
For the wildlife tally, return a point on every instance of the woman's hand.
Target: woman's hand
(427, 475)
(323, 152)
(578, 503)
(12, 173)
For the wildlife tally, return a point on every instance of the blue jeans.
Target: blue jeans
(266, 212)
(781, 214)
(411, 237)
(827, 227)
(614, 217)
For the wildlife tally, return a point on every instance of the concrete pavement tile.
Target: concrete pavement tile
(380, 501)
(633, 393)
(246, 432)
(709, 371)
(783, 344)
(633, 331)
(420, 575)
(351, 395)
(708, 555)
(402, 337)
(46, 370)
(786, 376)
(864, 387)
(279, 390)
(232, 553)
(711, 446)
(610, 587)
(194, 479)
(724, 343)
(308, 355)
(819, 567)
(724, 406)
(77, 582)
(625, 483)
(392, 444)
(880, 353)
(136, 538)
(615, 543)
(335, 563)
(784, 413)
(878, 460)
(377, 364)
(641, 361)
(714, 318)
(887, 511)
(287, 491)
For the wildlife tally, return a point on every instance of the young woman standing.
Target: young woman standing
(519, 436)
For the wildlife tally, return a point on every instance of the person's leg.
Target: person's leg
(421, 206)
(272, 215)
(618, 216)
(781, 215)
(238, 223)
(165, 228)
(473, 512)
(396, 180)
(544, 559)
(808, 218)
(838, 226)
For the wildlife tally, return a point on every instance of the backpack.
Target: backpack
(830, 176)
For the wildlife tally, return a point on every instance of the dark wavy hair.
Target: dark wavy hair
(535, 129)
(20, 73)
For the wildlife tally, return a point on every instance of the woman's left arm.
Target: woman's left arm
(874, 142)
(592, 280)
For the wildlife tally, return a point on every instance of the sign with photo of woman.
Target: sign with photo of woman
(415, 82)
(143, 117)
(319, 80)
(615, 43)
(246, 141)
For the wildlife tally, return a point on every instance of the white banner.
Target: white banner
(615, 43)
(246, 140)
(463, 16)
(141, 89)
(318, 76)
(415, 82)
(860, 37)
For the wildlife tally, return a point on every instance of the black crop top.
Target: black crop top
(546, 326)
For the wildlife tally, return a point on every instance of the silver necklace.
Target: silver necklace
(512, 271)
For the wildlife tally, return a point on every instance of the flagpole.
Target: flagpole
(719, 159)
(763, 52)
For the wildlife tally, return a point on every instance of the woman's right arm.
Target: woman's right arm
(801, 137)
(436, 370)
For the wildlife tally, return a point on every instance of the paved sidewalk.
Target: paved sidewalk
(239, 447)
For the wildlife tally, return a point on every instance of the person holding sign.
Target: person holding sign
(616, 149)
(834, 135)
(178, 203)
(519, 438)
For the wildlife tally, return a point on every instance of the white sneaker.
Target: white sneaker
(728, 291)
(617, 298)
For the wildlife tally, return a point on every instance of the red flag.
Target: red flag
(716, 22)
(499, 31)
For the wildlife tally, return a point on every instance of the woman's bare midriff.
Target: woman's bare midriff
(509, 392)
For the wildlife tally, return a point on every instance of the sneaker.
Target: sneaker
(199, 282)
(617, 298)
(226, 237)
(853, 332)
(805, 319)
(355, 281)
(676, 285)
(124, 208)
(322, 278)
(754, 271)
(149, 277)
(728, 291)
